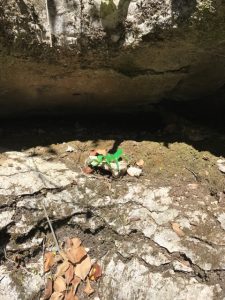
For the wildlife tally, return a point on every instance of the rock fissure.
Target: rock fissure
(149, 72)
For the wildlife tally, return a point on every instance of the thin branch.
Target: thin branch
(50, 225)
(196, 176)
(43, 255)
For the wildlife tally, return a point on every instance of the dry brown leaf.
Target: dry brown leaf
(69, 256)
(75, 255)
(63, 255)
(59, 284)
(68, 243)
(75, 283)
(176, 228)
(70, 295)
(93, 153)
(58, 258)
(56, 296)
(83, 268)
(140, 163)
(101, 151)
(76, 242)
(88, 289)
(87, 170)
(69, 274)
(48, 289)
(95, 273)
(49, 261)
(62, 268)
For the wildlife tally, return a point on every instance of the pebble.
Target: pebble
(134, 171)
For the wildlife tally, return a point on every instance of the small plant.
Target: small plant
(108, 160)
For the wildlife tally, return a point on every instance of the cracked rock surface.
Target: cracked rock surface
(127, 224)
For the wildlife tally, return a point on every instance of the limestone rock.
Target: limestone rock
(134, 281)
(6, 218)
(127, 226)
(108, 55)
(22, 174)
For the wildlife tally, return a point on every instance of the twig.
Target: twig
(48, 21)
(196, 176)
(43, 255)
(50, 225)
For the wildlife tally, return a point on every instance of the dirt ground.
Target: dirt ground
(178, 152)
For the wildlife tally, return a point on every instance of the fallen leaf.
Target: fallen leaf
(75, 255)
(101, 151)
(75, 283)
(95, 273)
(76, 242)
(69, 274)
(49, 261)
(176, 228)
(58, 258)
(70, 295)
(59, 284)
(140, 163)
(93, 153)
(48, 289)
(56, 296)
(88, 289)
(68, 243)
(83, 268)
(62, 268)
(63, 255)
(87, 170)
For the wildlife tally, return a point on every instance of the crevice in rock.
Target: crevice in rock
(210, 244)
(94, 232)
(4, 238)
(43, 192)
(149, 72)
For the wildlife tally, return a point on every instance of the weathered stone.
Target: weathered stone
(157, 50)
(59, 205)
(23, 226)
(21, 174)
(131, 222)
(179, 266)
(221, 219)
(23, 286)
(168, 239)
(221, 165)
(6, 218)
(30, 244)
(133, 280)
(130, 218)
(143, 250)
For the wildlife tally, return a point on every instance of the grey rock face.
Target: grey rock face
(130, 225)
(156, 49)
(141, 284)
